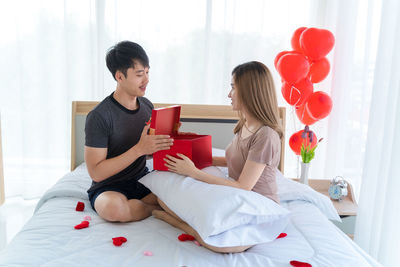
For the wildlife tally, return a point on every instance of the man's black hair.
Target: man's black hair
(123, 55)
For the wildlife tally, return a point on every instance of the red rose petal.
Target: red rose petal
(83, 224)
(281, 235)
(117, 242)
(120, 238)
(148, 253)
(186, 237)
(80, 206)
(300, 264)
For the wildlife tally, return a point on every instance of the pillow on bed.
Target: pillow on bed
(222, 215)
(291, 190)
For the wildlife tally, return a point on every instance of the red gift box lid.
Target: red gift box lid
(165, 120)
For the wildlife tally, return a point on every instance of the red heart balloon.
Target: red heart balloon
(295, 41)
(304, 116)
(316, 43)
(293, 67)
(319, 105)
(297, 93)
(319, 70)
(296, 140)
(279, 55)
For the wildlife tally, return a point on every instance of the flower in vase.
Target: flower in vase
(307, 152)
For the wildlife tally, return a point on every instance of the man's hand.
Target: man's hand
(148, 144)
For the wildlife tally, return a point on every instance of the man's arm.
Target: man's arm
(101, 168)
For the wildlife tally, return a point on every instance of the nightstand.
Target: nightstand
(346, 208)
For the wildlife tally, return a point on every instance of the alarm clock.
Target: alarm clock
(338, 188)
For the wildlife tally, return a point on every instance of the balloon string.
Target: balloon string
(290, 96)
(304, 110)
(294, 127)
(309, 113)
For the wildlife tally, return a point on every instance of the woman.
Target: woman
(253, 156)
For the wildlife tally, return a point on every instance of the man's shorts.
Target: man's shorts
(132, 189)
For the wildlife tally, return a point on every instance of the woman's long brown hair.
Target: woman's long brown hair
(256, 91)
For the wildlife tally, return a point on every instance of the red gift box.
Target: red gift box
(196, 147)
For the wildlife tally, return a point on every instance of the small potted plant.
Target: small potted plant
(307, 152)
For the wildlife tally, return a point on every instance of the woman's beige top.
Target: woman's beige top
(264, 146)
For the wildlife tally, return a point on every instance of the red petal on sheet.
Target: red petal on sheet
(80, 206)
(83, 224)
(300, 264)
(185, 237)
(148, 253)
(120, 238)
(117, 242)
(281, 235)
(87, 218)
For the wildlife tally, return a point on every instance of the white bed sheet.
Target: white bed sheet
(49, 239)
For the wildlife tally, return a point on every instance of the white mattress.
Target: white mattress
(49, 239)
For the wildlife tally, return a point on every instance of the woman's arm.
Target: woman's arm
(219, 161)
(248, 178)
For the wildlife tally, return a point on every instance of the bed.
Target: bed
(49, 238)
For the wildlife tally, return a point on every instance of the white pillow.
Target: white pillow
(222, 215)
(289, 190)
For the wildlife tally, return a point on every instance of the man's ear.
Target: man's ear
(119, 76)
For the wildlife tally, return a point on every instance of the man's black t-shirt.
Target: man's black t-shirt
(110, 125)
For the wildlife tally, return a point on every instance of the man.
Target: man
(117, 142)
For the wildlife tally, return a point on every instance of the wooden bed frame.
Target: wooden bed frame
(216, 120)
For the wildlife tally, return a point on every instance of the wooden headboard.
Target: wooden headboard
(215, 120)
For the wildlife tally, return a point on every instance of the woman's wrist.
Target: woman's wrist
(196, 173)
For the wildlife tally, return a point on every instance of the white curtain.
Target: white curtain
(355, 25)
(52, 52)
(48, 58)
(378, 216)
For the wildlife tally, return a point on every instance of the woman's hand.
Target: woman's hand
(182, 166)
